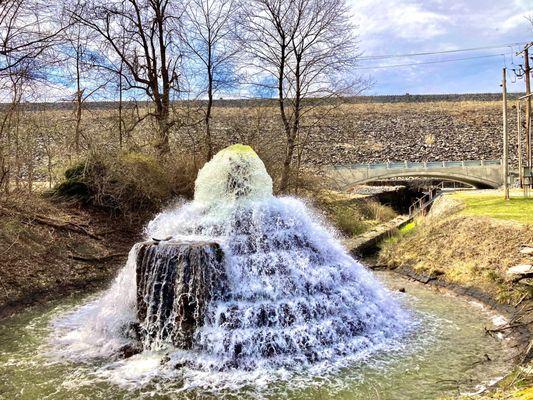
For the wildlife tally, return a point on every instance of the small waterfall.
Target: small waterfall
(284, 295)
(175, 282)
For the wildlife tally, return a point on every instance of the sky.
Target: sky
(399, 27)
(392, 27)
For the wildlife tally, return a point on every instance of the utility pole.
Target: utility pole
(505, 166)
(519, 139)
(527, 73)
(528, 105)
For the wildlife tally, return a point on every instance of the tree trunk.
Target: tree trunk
(17, 151)
(120, 105)
(163, 145)
(163, 117)
(209, 142)
(78, 125)
(49, 165)
(79, 98)
(161, 98)
(4, 173)
(286, 171)
(292, 131)
(30, 171)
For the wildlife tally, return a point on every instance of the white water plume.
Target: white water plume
(296, 300)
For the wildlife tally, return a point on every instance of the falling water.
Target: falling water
(175, 284)
(293, 299)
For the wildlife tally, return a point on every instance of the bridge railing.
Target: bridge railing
(421, 165)
(422, 204)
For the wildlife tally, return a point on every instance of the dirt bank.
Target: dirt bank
(467, 244)
(48, 250)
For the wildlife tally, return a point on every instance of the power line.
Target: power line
(378, 57)
(432, 62)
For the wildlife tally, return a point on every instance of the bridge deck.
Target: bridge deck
(478, 173)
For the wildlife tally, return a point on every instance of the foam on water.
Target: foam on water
(297, 300)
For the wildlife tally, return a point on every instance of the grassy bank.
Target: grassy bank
(471, 239)
(352, 214)
(493, 205)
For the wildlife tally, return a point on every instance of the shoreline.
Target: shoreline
(50, 295)
(521, 333)
(53, 250)
(519, 336)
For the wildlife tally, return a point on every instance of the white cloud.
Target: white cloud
(516, 21)
(404, 19)
(414, 26)
(525, 4)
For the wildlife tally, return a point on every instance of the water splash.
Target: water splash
(296, 299)
(235, 173)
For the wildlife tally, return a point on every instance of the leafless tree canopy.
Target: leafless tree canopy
(209, 36)
(301, 49)
(140, 35)
(170, 59)
(28, 29)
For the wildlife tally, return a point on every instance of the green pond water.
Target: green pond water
(448, 354)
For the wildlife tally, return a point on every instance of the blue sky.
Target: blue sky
(413, 26)
(392, 27)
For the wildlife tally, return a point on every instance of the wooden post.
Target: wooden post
(505, 167)
(519, 138)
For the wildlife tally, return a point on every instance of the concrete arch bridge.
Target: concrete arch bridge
(478, 173)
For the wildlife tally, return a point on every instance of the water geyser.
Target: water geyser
(238, 280)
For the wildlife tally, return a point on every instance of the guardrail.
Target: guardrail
(422, 203)
(421, 165)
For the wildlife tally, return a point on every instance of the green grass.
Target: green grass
(517, 209)
(407, 227)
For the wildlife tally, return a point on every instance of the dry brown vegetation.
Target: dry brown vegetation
(128, 184)
(471, 251)
(42, 147)
(49, 250)
(352, 214)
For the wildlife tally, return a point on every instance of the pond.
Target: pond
(448, 353)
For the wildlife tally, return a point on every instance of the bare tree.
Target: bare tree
(80, 60)
(302, 49)
(209, 36)
(27, 30)
(8, 129)
(127, 122)
(141, 37)
(13, 132)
